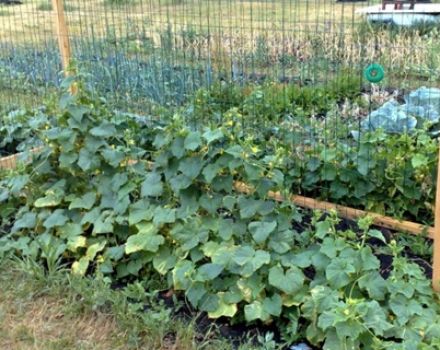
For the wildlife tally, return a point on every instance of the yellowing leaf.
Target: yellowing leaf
(146, 239)
(80, 267)
(223, 309)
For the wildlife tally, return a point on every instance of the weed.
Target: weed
(261, 54)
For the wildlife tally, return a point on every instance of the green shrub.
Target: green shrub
(273, 101)
(45, 6)
(120, 2)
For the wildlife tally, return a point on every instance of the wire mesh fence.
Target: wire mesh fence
(347, 108)
(288, 74)
(161, 51)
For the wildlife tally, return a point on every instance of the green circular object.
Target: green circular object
(374, 73)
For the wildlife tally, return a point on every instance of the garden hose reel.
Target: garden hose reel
(374, 73)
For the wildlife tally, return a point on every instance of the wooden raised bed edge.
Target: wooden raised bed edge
(379, 220)
(9, 162)
(347, 212)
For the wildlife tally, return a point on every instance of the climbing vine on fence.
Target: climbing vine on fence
(94, 199)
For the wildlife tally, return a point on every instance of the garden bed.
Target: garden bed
(237, 332)
(173, 221)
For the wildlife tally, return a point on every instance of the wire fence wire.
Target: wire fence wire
(289, 68)
(162, 51)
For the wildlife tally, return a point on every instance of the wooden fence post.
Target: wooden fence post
(436, 238)
(63, 38)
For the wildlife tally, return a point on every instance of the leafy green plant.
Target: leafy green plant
(385, 173)
(170, 213)
(258, 104)
(18, 130)
(391, 174)
(419, 245)
(267, 342)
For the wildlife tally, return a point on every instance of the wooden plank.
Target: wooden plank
(62, 32)
(436, 235)
(9, 162)
(348, 213)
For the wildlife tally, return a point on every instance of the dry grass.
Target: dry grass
(29, 22)
(52, 311)
(226, 31)
(42, 323)
(34, 319)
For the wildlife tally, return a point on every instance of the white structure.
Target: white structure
(422, 12)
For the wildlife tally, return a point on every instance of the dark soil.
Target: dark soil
(236, 333)
(10, 148)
